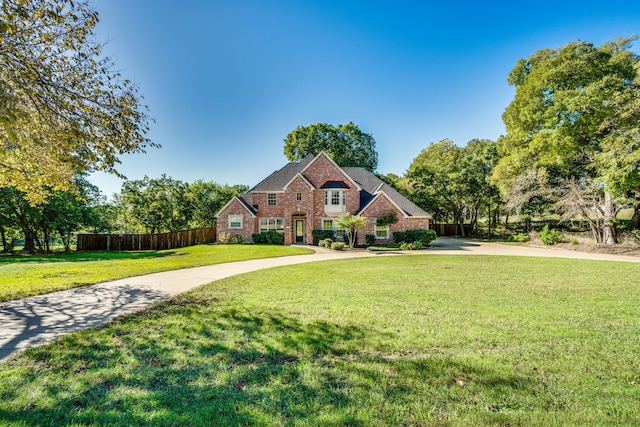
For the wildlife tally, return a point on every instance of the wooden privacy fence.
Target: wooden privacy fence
(145, 242)
(444, 230)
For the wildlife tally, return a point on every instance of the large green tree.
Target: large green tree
(206, 198)
(450, 181)
(158, 204)
(63, 107)
(575, 117)
(346, 144)
(63, 214)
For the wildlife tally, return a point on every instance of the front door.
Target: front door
(299, 230)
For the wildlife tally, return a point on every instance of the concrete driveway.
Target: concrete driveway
(38, 320)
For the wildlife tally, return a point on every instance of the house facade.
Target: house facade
(311, 195)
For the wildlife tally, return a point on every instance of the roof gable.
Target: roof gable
(281, 178)
(323, 155)
(301, 177)
(372, 186)
(242, 203)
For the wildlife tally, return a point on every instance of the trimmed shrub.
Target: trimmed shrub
(400, 237)
(318, 235)
(275, 237)
(259, 238)
(410, 236)
(238, 239)
(326, 243)
(224, 237)
(271, 237)
(549, 237)
(337, 246)
(370, 239)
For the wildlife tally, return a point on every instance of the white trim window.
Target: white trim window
(382, 231)
(330, 224)
(335, 200)
(272, 199)
(235, 221)
(268, 224)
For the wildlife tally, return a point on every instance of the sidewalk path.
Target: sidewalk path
(38, 320)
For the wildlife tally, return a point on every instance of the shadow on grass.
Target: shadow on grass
(84, 256)
(210, 364)
(23, 323)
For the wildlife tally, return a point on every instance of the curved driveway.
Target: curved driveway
(40, 319)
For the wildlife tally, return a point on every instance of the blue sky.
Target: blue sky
(226, 81)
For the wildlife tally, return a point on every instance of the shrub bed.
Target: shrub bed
(271, 237)
(410, 236)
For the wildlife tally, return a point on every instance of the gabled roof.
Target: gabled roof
(366, 182)
(244, 204)
(326, 156)
(372, 186)
(299, 175)
(280, 179)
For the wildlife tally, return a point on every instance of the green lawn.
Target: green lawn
(406, 340)
(25, 275)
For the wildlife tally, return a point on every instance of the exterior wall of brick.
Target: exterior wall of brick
(318, 173)
(310, 207)
(249, 223)
(382, 206)
(298, 209)
(260, 200)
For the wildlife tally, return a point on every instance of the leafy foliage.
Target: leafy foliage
(519, 238)
(158, 204)
(318, 235)
(575, 117)
(410, 236)
(549, 236)
(446, 180)
(63, 108)
(337, 246)
(64, 213)
(350, 224)
(271, 237)
(389, 218)
(346, 144)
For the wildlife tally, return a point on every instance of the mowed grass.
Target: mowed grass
(388, 340)
(25, 275)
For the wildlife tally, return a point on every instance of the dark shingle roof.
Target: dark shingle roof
(334, 184)
(277, 180)
(372, 185)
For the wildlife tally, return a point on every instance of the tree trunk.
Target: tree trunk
(29, 245)
(4, 240)
(47, 248)
(634, 224)
(609, 232)
(489, 219)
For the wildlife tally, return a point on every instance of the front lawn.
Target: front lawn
(407, 340)
(25, 275)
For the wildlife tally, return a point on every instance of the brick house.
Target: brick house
(311, 195)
